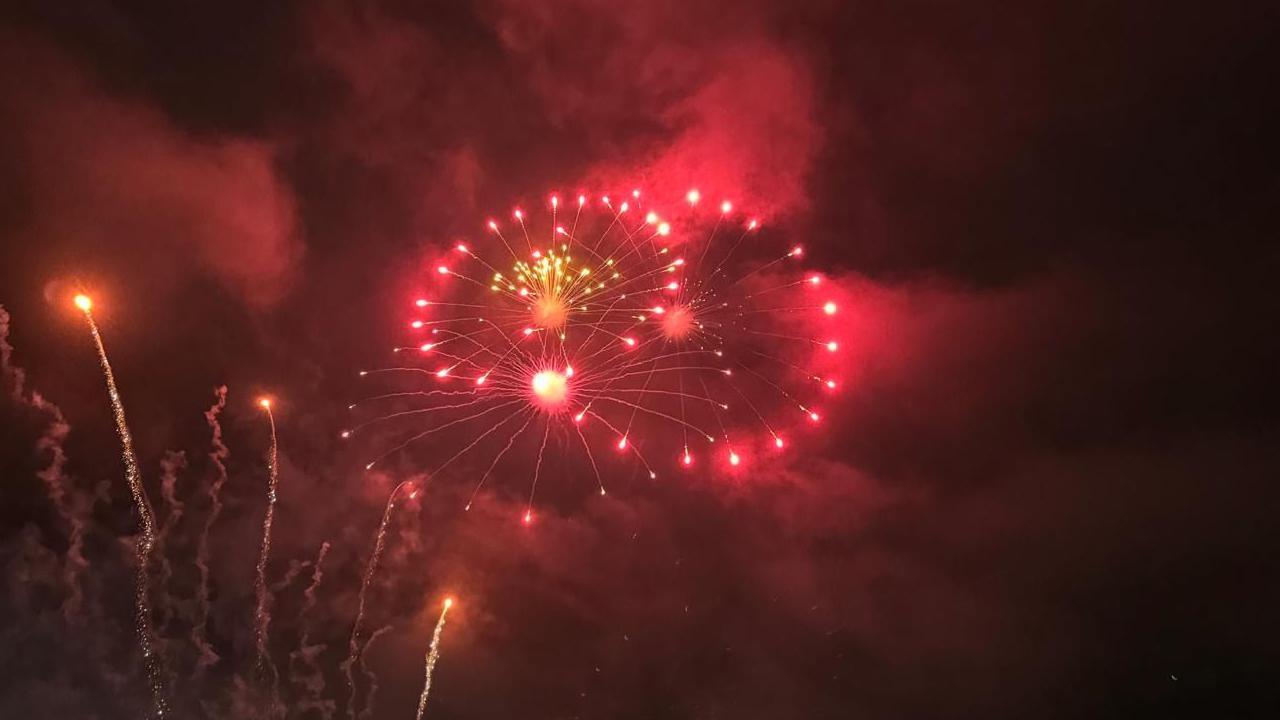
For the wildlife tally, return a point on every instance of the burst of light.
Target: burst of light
(833, 346)
(605, 321)
(778, 443)
(550, 387)
(829, 308)
(448, 603)
(831, 384)
(83, 302)
(265, 403)
(528, 517)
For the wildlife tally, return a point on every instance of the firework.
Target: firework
(304, 666)
(142, 605)
(433, 656)
(262, 613)
(353, 644)
(612, 328)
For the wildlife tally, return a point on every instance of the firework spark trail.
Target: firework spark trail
(218, 455)
(353, 645)
(367, 711)
(433, 656)
(142, 604)
(262, 612)
(304, 668)
(170, 465)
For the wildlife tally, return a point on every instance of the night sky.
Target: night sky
(1045, 489)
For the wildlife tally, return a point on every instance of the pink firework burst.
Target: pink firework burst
(622, 329)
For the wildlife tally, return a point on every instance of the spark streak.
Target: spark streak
(353, 644)
(152, 662)
(262, 612)
(433, 656)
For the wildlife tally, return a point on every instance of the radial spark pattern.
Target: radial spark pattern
(608, 326)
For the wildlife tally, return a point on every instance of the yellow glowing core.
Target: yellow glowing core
(83, 302)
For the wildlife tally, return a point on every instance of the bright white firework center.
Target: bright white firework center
(550, 388)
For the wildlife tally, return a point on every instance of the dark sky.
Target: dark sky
(1045, 490)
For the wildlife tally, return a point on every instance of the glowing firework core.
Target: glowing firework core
(550, 312)
(677, 322)
(551, 388)
(83, 302)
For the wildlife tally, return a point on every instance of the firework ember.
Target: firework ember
(615, 327)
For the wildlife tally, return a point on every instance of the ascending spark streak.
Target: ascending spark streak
(262, 613)
(353, 644)
(433, 656)
(141, 603)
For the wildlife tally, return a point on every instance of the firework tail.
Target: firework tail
(262, 612)
(143, 548)
(367, 712)
(14, 374)
(353, 645)
(218, 455)
(171, 465)
(303, 667)
(433, 656)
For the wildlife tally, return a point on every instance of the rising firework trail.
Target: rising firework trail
(142, 549)
(433, 656)
(610, 328)
(262, 612)
(353, 644)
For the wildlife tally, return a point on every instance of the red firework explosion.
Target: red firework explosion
(619, 328)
